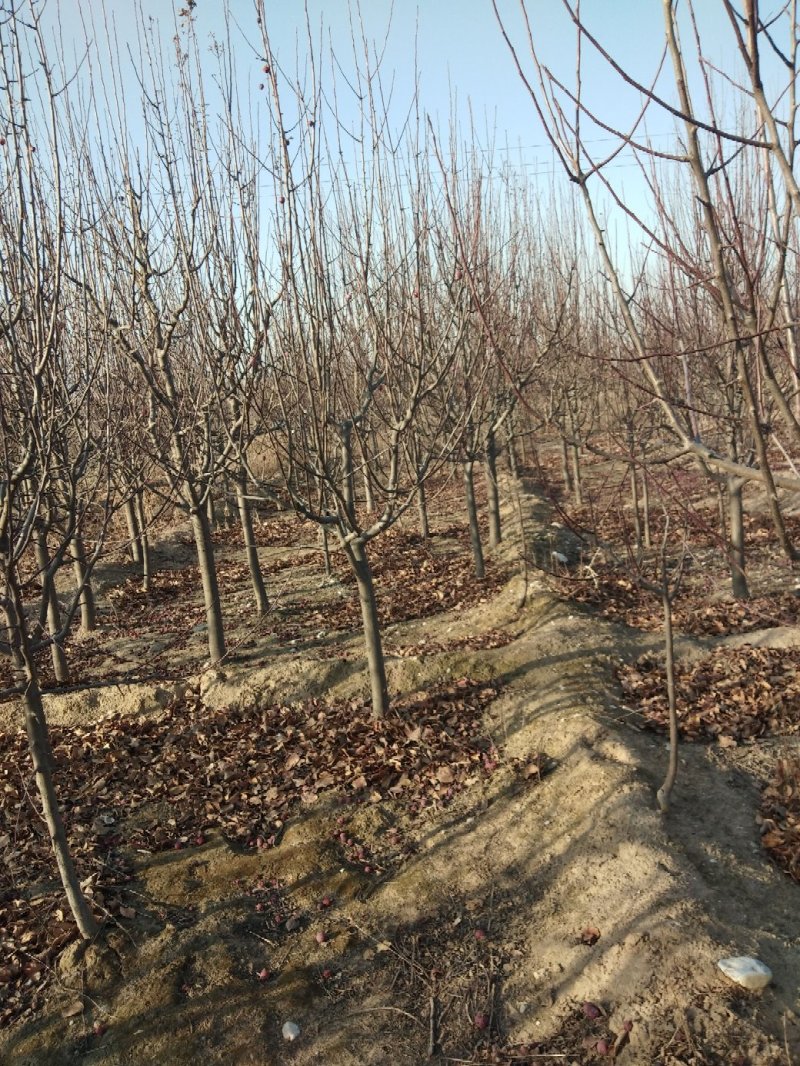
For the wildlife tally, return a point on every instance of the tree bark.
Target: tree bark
(577, 486)
(60, 667)
(251, 551)
(326, 550)
(511, 447)
(211, 513)
(422, 511)
(637, 518)
(753, 412)
(663, 794)
(648, 536)
(133, 529)
(88, 612)
(208, 576)
(736, 554)
(144, 543)
(472, 518)
(490, 456)
(566, 473)
(348, 475)
(41, 756)
(357, 555)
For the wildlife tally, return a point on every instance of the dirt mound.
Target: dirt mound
(549, 912)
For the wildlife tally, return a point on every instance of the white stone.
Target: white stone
(290, 1031)
(747, 972)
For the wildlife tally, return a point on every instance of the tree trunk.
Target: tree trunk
(575, 453)
(663, 794)
(753, 412)
(369, 498)
(637, 518)
(511, 447)
(348, 474)
(576, 474)
(60, 667)
(41, 756)
(648, 536)
(736, 555)
(208, 575)
(144, 542)
(88, 613)
(251, 551)
(472, 517)
(133, 529)
(357, 555)
(523, 445)
(490, 456)
(227, 510)
(211, 512)
(566, 473)
(422, 510)
(326, 550)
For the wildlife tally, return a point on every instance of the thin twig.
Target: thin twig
(432, 1041)
(394, 1010)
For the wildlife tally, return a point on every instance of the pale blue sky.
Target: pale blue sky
(461, 53)
(460, 56)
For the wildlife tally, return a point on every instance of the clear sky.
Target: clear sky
(459, 53)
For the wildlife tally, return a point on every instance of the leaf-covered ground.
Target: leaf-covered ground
(153, 795)
(619, 596)
(779, 817)
(414, 579)
(734, 696)
(730, 696)
(142, 786)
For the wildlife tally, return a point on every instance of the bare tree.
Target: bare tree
(719, 246)
(54, 475)
(361, 340)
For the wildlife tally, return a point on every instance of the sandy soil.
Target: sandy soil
(580, 891)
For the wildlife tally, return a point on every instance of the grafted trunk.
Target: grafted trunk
(348, 474)
(472, 518)
(326, 549)
(648, 536)
(736, 554)
(493, 494)
(41, 756)
(637, 518)
(60, 667)
(357, 555)
(566, 473)
(511, 448)
(87, 605)
(144, 542)
(575, 455)
(422, 510)
(251, 551)
(577, 485)
(208, 576)
(763, 458)
(211, 512)
(133, 529)
(664, 793)
(523, 446)
(369, 499)
(365, 441)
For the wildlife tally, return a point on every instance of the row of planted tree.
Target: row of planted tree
(250, 270)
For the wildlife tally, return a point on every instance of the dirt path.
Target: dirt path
(580, 891)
